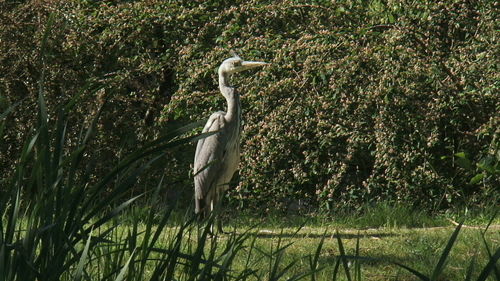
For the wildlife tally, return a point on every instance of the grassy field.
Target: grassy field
(419, 248)
(298, 244)
(134, 246)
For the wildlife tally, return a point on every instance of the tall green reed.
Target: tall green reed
(50, 205)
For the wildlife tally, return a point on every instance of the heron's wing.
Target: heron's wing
(210, 154)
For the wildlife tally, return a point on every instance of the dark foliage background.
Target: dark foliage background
(364, 101)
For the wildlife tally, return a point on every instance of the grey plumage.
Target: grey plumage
(217, 156)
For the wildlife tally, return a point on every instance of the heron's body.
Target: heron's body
(213, 171)
(217, 156)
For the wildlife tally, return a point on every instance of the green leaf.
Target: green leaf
(463, 161)
(486, 164)
(390, 18)
(477, 178)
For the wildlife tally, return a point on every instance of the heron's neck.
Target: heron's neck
(232, 97)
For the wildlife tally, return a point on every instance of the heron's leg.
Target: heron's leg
(219, 208)
(218, 220)
(200, 209)
(211, 231)
(214, 210)
(219, 227)
(209, 210)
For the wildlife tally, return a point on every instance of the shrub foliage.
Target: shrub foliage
(363, 100)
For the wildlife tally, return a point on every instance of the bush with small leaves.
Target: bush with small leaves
(363, 100)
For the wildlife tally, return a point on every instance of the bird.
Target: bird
(217, 156)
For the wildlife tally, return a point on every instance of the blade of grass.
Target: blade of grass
(46, 33)
(490, 255)
(112, 214)
(83, 258)
(336, 270)
(128, 161)
(278, 255)
(490, 266)
(118, 191)
(234, 245)
(147, 244)
(357, 264)
(6, 263)
(13, 217)
(441, 263)
(176, 132)
(409, 269)
(490, 222)
(3, 258)
(487, 247)
(470, 269)
(9, 109)
(170, 258)
(2, 127)
(123, 271)
(197, 256)
(342, 256)
(28, 148)
(314, 261)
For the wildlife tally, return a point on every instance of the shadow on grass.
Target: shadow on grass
(375, 259)
(319, 236)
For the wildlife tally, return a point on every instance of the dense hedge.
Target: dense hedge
(363, 100)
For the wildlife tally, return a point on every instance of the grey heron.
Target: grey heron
(217, 156)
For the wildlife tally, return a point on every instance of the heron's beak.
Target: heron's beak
(251, 64)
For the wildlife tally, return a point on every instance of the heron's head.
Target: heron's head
(236, 64)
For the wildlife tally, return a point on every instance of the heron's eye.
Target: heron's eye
(237, 63)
